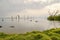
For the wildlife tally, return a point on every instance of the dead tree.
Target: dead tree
(54, 13)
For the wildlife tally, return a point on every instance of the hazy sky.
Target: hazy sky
(29, 7)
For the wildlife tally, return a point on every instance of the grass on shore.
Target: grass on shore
(52, 34)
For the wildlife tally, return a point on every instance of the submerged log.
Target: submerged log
(0, 26)
(12, 26)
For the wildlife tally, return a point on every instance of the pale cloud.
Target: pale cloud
(14, 6)
(35, 0)
(34, 12)
(55, 6)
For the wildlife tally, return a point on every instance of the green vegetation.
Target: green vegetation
(52, 34)
(54, 18)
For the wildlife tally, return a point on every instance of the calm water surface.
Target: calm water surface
(27, 25)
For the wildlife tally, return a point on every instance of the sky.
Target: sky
(27, 7)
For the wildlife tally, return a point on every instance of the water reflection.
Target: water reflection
(12, 18)
(21, 25)
(2, 19)
(56, 24)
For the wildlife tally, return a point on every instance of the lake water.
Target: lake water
(27, 25)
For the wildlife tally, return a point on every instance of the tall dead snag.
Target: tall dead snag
(54, 13)
(53, 16)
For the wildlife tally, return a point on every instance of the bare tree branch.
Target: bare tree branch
(53, 13)
(56, 12)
